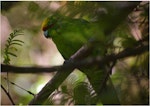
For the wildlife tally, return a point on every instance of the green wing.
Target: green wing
(69, 35)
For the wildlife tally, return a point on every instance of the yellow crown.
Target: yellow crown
(45, 24)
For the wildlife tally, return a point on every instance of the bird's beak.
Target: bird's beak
(46, 34)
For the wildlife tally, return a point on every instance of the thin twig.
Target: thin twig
(106, 77)
(19, 86)
(7, 82)
(8, 95)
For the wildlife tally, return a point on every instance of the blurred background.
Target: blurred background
(36, 50)
(130, 75)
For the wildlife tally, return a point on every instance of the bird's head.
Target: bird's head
(48, 25)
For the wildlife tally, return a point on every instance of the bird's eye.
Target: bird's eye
(46, 33)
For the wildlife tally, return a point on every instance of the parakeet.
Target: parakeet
(69, 35)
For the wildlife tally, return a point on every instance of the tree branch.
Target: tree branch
(77, 63)
(16, 69)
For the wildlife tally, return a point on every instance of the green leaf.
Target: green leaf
(18, 33)
(12, 54)
(16, 44)
(17, 41)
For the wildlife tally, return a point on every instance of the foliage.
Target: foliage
(10, 45)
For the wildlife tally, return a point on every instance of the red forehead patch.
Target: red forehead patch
(47, 27)
(44, 28)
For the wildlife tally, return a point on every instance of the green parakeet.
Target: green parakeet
(69, 35)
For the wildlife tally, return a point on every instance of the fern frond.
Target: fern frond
(11, 42)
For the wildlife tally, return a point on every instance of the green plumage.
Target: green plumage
(69, 34)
